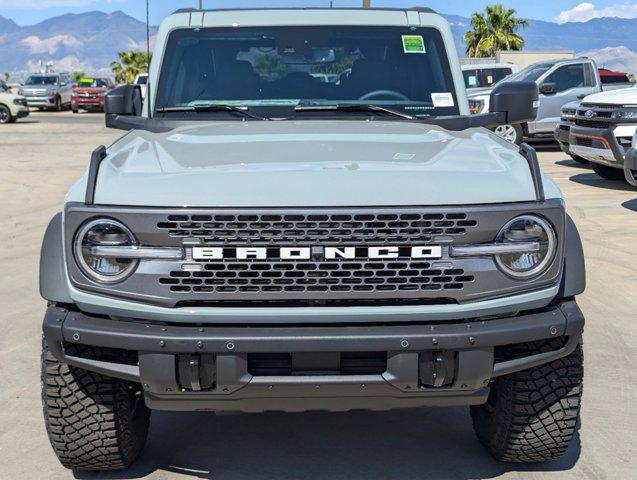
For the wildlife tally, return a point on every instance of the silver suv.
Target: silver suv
(262, 239)
(48, 91)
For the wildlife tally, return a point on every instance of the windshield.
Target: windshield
(142, 80)
(274, 69)
(42, 80)
(530, 73)
(92, 83)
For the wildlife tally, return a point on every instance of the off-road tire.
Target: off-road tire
(579, 159)
(94, 422)
(58, 105)
(532, 415)
(608, 173)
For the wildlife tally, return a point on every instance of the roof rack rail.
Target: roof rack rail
(411, 9)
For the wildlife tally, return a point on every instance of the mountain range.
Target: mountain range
(90, 41)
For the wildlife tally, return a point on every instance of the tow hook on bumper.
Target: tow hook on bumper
(301, 368)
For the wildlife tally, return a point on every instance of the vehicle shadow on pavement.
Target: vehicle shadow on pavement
(574, 164)
(631, 204)
(404, 444)
(592, 180)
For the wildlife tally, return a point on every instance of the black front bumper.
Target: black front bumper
(561, 134)
(208, 368)
(23, 113)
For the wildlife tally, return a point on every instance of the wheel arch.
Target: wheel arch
(574, 276)
(53, 281)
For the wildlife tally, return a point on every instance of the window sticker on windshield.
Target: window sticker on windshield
(413, 44)
(442, 99)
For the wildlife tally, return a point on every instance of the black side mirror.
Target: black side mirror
(548, 88)
(121, 102)
(514, 102)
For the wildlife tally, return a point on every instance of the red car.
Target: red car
(89, 94)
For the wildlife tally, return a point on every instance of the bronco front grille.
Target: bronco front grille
(338, 276)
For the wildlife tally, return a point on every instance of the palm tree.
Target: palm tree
(77, 76)
(494, 30)
(6, 76)
(129, 65)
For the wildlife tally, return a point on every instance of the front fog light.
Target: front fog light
(526, 264)
(103, 232)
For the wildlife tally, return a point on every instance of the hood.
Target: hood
(624, 96)
(311, 163)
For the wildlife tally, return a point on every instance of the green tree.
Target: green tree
(494, 30)
(6, 76)
(129, 65)
(77, 76)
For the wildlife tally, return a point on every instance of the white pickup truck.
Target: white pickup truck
(560, 82)
(604, 126)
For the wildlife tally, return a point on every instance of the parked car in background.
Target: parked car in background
(142, 79)
(89, 94)
(563, 130)
(630, 163)
(484, 75)
(612, 80)
(603, 132)
(12, 106)
(48, 91)
(559, 81)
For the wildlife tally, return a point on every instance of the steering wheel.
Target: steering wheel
(384, 93)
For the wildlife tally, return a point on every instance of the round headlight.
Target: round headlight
(525, 229)
(103, 232)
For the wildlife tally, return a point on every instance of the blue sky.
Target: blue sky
(27, 12)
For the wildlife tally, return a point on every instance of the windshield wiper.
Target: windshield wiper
(351, 108)
(213, 107)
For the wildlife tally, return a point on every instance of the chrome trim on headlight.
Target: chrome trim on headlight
(135, 251)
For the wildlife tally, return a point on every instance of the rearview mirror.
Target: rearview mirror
(514, 102)
(121, 102)
(548, 88)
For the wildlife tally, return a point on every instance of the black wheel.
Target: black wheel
(5, 114)
(608, 173)
(58, 105)
(511, 133)
(631, 176)
(94, 422)
(532, 415)
(579, 159)
(75, 110)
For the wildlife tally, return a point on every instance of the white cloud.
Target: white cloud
(50, 45)
(587, 11)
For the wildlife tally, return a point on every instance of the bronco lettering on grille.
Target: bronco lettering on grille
(316, 253)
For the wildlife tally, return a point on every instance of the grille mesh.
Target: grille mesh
(316, 229)
(336, 276)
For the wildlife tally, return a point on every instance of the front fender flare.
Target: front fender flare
(574, 276)
(53, 282)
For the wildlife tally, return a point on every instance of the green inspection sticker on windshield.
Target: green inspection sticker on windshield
(413, 44)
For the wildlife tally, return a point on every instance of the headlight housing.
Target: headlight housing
(527, 228)
(104, 232)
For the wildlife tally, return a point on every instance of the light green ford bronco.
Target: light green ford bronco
(304, 216)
